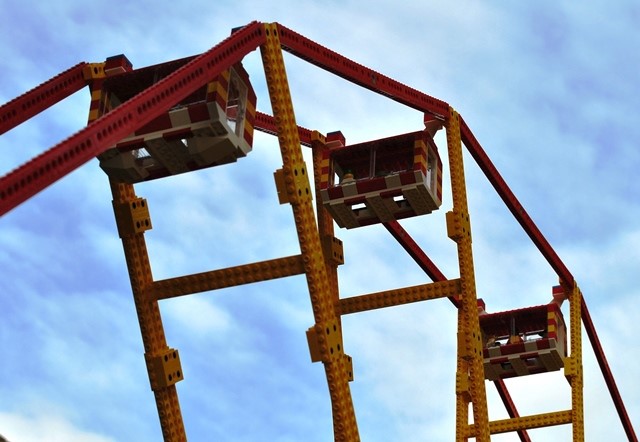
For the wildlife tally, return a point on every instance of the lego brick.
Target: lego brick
(132, 217)
(165, 369)
(462, 385)
(296, 187)
(172, 154)
(343, 215)
(379, 207)
(283, 196)
(325, 341)
(302, 188)
(117, 64)
(333, 249)
(348, 361)
(314, 346)
(458, 225)
(92, 71)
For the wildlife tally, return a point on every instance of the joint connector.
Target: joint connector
(462, 347)
(281, 188)
(572, 368)
(132, 217)
(164, 369)
(325, 341)
(293, 185)
(458, 225)
(348, 361)
(93, 71)
(462, 386)
(333, 250)
(317, 136)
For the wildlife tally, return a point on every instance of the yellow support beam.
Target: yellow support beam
(229, 277)
(526, 422)
(295, 177)
(151, 328)
(389, 298)
(573, 363)
(332, 246)
(133, 219)
(470, 385)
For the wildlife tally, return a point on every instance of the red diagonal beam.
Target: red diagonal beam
(510, 200)
(31, 103)
(267, 124)
(43, 170)
(512, 203)
(607, 374)
(414, 250)
(335, 63)
(426, 264)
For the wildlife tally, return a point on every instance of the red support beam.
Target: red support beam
(606, 373)
(43, 170)
(426, 264)
(337, 64)
(510, 200)
(513, 204)
(267, 124)
(414, 251)
(31, 103)
(510, 406)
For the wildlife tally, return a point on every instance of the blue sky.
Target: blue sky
(550, 90)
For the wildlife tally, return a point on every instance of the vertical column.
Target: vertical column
(470, 386)
(163, 363)
(332, 247)
(326, 335)
(132, 219)
(573, 364)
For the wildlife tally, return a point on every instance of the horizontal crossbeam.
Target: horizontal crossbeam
(389, 298)
(526, 422)
(229, 277)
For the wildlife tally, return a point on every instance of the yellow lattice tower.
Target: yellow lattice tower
(133, 220)
(573, 363)
(320, 255)
(325, 337)
(470, 387)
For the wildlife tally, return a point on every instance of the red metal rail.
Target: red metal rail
(512, 203)
(510, 200)
(331, 61)
(267, 124)
(425, 263)
(43, 170)
(607, 374)
(31, 103)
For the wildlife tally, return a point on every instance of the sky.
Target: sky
(550, 89)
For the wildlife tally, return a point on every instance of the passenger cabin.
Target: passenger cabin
(382, 180)
(212, 126)
(524, 341)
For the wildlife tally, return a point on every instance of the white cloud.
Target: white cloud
(197, 316)
(49, 427)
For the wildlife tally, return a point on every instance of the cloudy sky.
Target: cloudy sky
(550, 91)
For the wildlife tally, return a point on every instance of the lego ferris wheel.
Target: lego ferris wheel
(199, 112)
